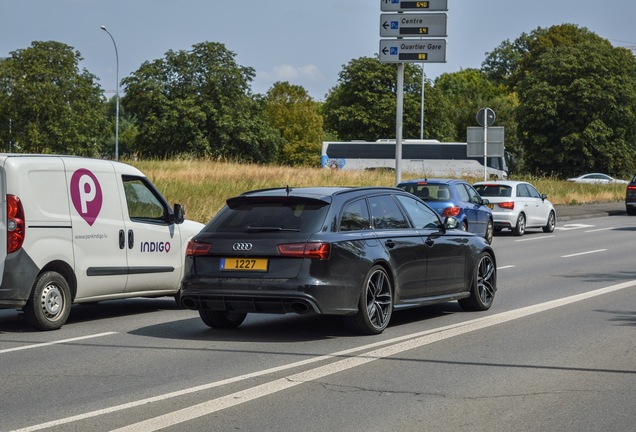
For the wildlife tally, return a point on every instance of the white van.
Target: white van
(79, 230)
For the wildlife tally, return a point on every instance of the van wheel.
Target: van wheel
(49, 306)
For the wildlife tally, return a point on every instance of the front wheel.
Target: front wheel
(376, 303)
(222, 319)
(549, 226)
(49, 306)
(484, 285)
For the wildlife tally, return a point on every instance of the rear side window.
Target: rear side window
(355, 216)
(270, 216)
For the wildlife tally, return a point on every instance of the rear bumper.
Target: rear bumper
(19, 275)
(271, 297)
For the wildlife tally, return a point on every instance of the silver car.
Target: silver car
(517, 205)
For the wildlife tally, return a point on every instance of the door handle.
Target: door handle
(131, 239)
(122, 239)
(389, 243)
(429, 242)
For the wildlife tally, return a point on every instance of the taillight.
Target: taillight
(15, 223)
(510, 205)
(195, 248)
(316, 250)
(451, 211)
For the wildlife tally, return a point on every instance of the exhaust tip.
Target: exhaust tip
(300, 308)
(188, 303)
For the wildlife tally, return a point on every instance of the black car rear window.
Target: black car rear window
(270, 216)
(494, 190)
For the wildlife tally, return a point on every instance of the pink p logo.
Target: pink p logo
(86, 195)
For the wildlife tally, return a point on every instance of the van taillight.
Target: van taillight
(15, 223)
(317, 250)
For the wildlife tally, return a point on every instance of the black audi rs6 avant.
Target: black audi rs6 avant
(355, 252)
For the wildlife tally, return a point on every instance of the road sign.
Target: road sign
(485, 117)
(413, 6)
(475, 141)
(413, 50)
(413, 25)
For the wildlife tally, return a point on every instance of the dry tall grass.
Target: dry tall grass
(203, 186)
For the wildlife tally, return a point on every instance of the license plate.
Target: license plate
(244, 264)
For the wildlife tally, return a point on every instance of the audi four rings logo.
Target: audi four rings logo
(242, 246)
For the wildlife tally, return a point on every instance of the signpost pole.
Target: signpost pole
(398, 123)
(486, 150)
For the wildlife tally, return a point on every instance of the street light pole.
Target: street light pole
(116, 96)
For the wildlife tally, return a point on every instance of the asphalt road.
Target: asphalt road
(585, 211)
(556, 352)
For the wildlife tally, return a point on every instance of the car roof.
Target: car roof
(323, 193)
(502, 182)
(432, 180)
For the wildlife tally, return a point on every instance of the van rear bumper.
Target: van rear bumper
(19, 276)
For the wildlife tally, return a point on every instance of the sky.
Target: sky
(303, 42)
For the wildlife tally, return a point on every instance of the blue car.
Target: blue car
(456, 198)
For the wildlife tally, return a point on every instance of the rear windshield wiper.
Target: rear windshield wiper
(269, 229)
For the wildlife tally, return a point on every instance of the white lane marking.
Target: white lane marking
(63, 341)
(568, 227)
(600, 229)
(398, 345)
(584, 253)
(506, 267)
(534, 238)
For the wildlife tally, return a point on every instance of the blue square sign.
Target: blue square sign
(395, 25)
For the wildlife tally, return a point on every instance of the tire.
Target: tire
(549, 226)
(464, 226)
(484, 285)
(489, 232)
(49, 305)
(520, 227)
(375, 306)
(631, 211)
(222, 319)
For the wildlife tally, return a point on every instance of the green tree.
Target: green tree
(363, 103)
(199, 103)
(469, 90)
(577, 108)
(127, 130)
(502, 63)
(294, 113)
(47, 104)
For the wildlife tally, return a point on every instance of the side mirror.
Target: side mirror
(544, 197)
(179, 213)
(451, 223)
